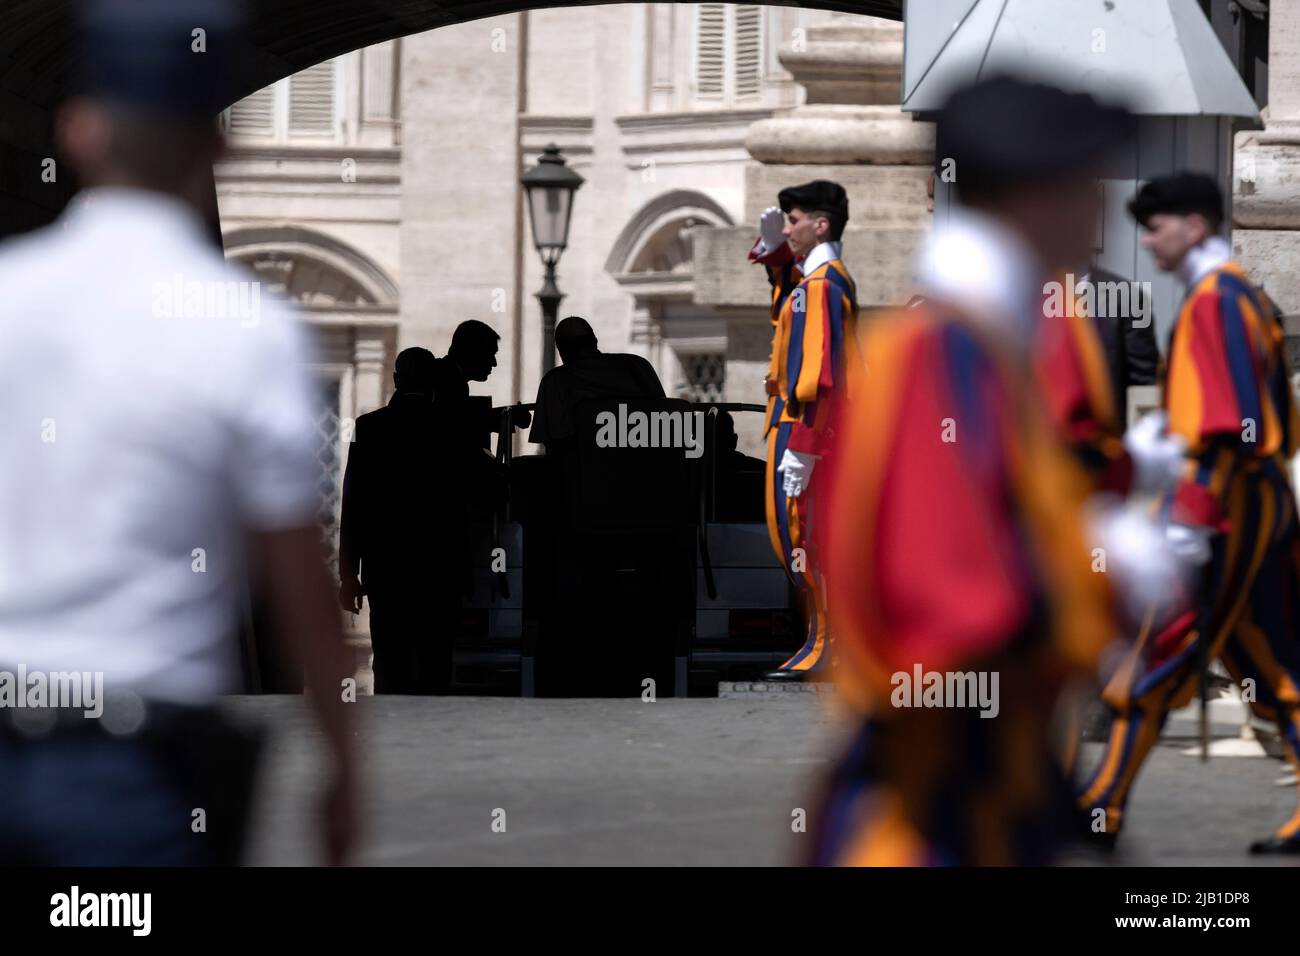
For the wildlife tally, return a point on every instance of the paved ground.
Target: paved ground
(701, 781)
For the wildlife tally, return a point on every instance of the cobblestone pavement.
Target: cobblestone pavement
(699, 781)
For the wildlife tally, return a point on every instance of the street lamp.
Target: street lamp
(550, 186)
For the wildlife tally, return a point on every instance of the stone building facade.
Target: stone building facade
(380, 189)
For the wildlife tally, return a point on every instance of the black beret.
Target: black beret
(820, 195)
(1006, 130)
(1182, 193)
(144, 55)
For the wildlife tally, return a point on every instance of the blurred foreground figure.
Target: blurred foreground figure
(158, 430)
(959, 574)
(1227, 396)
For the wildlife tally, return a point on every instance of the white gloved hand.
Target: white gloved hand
(770, 230)
(796, 469)
(1189, 543)
(1158, 457)
(1139, 562)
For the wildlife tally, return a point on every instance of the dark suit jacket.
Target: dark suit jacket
(402, 522)
(586, 376)
(1131, 351)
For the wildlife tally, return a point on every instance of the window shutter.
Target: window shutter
(749, 50)
(711, 49)
(311, 102)
(254, 115)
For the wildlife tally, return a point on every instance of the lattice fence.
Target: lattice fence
(704, 377)
(329, 481)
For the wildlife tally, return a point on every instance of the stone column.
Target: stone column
(368, 360)
(1266, 182)
(850, 130)
(1266, 186)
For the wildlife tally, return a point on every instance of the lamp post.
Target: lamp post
(549, 187)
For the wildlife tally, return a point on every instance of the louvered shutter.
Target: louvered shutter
(711, 49)
(311, 102)
(254, 115)
(748, 69)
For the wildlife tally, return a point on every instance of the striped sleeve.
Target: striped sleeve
(1216, 399)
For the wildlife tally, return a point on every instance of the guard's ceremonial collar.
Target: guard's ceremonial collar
(1201, 260)
(821, 254)
(975, 262)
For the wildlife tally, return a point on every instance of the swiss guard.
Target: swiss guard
(1084, 405)
(1227, 396)
(960, 568)
(814, 321)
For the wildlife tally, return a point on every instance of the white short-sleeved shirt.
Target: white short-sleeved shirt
(155, 406)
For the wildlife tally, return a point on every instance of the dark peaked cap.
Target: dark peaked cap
(820, 194)
(139, 54)
(1182, 193)
(1007, 130)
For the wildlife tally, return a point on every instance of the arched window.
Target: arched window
(350, 304)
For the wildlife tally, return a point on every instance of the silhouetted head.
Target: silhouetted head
(153, 76)
(1177, 214)
(725, 433)
(474, 347)
(414, 371)
(573, 336)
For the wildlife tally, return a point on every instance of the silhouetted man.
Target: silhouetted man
(1128, 336)
(402, 540)
(587, 373)
(738, 478)
(471, 357)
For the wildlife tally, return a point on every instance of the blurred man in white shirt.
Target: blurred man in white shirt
(158, 432)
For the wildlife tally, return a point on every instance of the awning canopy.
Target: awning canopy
(1159, 57)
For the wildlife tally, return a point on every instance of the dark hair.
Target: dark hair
(1181, 194)
(834, 220)
(473, 335)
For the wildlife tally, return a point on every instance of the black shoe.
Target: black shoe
(1289, 846)
(795, 677)
(783, 677)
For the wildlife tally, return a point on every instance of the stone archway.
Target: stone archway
(351, 306)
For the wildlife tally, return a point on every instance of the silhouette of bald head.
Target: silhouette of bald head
(414, 371)
(573, 336)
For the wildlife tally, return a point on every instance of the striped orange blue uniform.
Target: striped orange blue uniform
(1226, 393)
(1079, 397)
(1075, 381)
(814, 354)
(958, 548)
